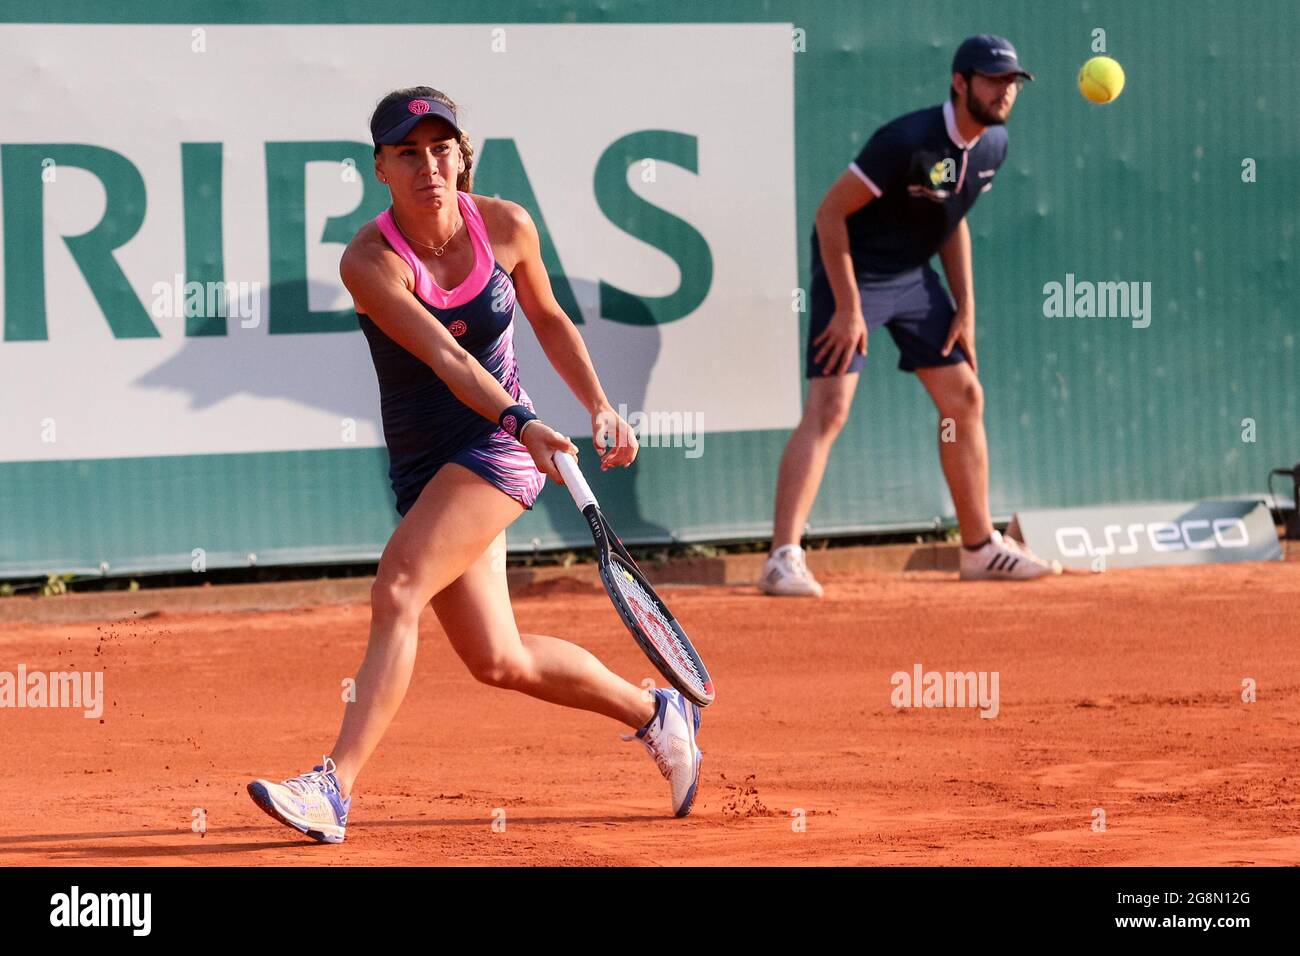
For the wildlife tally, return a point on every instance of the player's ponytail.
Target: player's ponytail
(465, 181)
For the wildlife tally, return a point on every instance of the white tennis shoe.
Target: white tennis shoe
(786, 574)
(669, 738)
(311, 803)
(1004, 559)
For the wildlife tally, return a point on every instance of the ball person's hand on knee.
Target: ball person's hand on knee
(845, 334)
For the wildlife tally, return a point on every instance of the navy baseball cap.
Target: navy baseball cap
(395, 123)
(988, 54)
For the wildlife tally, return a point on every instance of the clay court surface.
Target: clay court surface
(1120, 691)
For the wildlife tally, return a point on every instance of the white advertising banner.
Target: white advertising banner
(85, 373)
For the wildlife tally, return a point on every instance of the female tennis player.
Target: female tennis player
(434, 280)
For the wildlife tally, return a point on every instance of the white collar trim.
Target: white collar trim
(950, 121)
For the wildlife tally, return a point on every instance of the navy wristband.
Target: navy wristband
(513, 420)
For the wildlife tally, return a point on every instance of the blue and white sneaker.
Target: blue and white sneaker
(669, 738)
(310, 803)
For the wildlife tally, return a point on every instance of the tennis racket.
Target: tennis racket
(652, 625)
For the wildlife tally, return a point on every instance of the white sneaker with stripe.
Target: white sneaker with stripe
(1004, 559)
(786, 574)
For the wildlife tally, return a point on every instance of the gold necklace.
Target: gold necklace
(437, 250)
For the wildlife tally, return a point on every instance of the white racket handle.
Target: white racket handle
(573, 480)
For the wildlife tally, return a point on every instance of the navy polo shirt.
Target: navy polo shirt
(925, 178)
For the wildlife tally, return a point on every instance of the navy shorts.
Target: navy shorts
(914, 306)
(496, 457)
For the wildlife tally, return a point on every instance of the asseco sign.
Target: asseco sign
(1194, 534)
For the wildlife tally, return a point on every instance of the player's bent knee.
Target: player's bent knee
(395, 597)
(505, 671)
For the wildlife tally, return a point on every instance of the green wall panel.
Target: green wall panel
(1079, 411)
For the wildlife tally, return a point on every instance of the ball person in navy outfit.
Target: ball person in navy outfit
(434, 280)
(904, 198)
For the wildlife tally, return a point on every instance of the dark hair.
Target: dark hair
(952, 90)
(465, 181)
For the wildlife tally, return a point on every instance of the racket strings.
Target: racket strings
(656, 626)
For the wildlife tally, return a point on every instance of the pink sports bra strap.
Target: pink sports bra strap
(425, 287)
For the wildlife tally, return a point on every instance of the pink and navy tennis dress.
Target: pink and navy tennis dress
(425, 425)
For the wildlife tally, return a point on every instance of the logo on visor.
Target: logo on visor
(418, 106)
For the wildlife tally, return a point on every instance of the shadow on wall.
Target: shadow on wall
(333, 373)
(328, 372)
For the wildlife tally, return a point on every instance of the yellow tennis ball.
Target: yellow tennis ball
(1101, 80)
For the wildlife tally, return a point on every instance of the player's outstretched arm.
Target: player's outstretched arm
(560, 340)
(375, 279)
